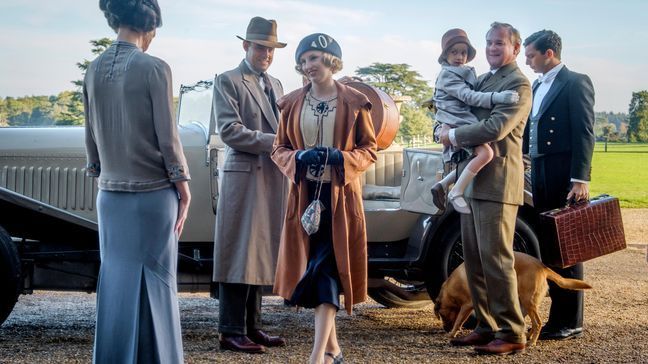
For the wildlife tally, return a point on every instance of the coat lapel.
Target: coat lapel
(490, 83)
(274, 98)
(343, 126)
(295, 113)
(252, 84)
(485, 81)
(559, 82)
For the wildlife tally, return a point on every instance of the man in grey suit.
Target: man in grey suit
(494, 197)
(249, 214)
(560, 141)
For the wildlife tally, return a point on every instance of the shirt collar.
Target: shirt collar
(551, 75)
(249, 66)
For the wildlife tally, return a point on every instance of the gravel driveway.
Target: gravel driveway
(56, 327)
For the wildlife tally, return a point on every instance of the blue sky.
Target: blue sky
(41, 41)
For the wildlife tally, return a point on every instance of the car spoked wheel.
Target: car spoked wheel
(455, 256)
(394, 293)
(448, 254)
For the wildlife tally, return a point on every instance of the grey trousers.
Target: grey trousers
(487, 236)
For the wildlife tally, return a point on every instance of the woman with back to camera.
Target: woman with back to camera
(133, 148)
(325, 140)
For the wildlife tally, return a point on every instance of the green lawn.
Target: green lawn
(622, 172)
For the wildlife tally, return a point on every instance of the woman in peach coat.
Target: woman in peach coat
(326, 136)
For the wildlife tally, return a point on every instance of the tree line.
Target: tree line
(66, 108)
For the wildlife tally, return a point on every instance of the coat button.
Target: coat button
(553, 118)
(548, 143)
(551, 130)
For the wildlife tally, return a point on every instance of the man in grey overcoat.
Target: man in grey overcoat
(494, 197)
(250, 209)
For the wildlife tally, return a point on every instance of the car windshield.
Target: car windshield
(195, 102)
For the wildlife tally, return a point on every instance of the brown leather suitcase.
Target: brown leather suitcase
(582, 231)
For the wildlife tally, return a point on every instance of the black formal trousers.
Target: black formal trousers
(239, 308)
(550, 185)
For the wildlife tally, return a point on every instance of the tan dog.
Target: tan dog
(454, 304)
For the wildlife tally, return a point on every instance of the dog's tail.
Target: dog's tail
(567, 283)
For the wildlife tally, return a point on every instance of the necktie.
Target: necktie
(267, 86)
(267, 89)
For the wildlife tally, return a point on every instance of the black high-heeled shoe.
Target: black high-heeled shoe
(337, 359)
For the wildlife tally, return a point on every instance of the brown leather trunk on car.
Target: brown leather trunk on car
(384, 113)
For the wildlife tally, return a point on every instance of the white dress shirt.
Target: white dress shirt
(544, 84)
(259, 78)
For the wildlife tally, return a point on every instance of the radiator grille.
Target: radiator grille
(64, 187)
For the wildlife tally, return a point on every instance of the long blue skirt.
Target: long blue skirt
(138, 319)
(321, 281)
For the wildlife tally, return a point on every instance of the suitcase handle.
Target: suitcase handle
(572, 202)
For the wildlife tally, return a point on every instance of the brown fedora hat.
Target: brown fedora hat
(452, 37)
(262, 31)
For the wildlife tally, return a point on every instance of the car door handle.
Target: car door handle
(418, 170)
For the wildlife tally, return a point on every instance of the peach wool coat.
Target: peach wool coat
(354, 136)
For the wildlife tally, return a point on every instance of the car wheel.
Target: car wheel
(448, 252)
(9, 275)
(393, 293)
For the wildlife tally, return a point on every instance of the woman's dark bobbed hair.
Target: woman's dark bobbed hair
(139, 15)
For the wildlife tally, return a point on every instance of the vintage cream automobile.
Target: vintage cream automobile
(48, 230)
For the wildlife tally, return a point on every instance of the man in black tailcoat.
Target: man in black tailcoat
(559, 138)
